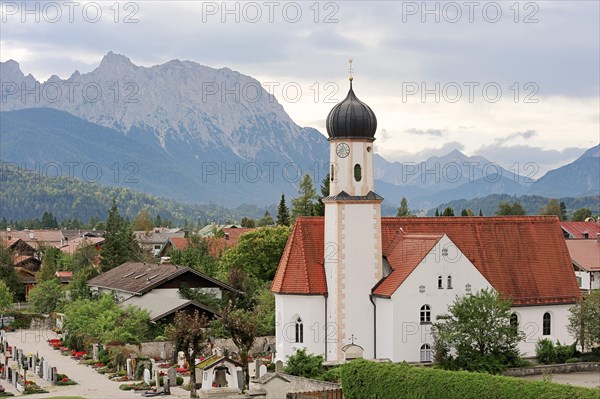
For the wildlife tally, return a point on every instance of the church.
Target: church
(354, 284)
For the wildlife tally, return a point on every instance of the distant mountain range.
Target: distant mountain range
(200, 135)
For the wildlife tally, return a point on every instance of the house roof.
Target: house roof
(78, 242)
(158, 236)
(585, 254)
(160, 306)
(404, 254)
(524, 258)
(49, 237)
(138, 278)
(301, 268)
(232, 236)
(576, 229)
(214, 360)
(25, 258)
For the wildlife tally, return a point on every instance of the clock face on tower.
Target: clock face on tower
(342, 150)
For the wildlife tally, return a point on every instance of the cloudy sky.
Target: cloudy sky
(514, 82)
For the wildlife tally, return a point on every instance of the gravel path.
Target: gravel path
(90, 384)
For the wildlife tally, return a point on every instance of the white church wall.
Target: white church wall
(311, 309)
(385, 328)
(409, 333)
(531, 323)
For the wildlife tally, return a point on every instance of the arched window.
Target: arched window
(546, 324)
(299, 331)
(514, 321)
(425, 353)
(449, 282)
(357, 172)
(440, 282)
(425, 314)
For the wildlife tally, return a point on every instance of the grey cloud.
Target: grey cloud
(428, 132)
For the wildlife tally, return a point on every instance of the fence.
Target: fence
(328, 394)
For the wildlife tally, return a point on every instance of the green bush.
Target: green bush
(548, 353)
(304, 364)
(179, 380)
(365, 379)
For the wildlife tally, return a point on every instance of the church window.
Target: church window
(449, 282)
(547, 320)
(440, 282)
(357, 172)
(514, 321)
(425, 314)
(299, 331)
(425, 353)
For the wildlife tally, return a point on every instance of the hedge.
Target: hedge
(362, 379)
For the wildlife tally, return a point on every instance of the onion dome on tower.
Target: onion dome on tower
(351, 119)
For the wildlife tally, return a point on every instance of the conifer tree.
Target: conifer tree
(119, 244)
(319, 209)
(283, 213)
(304, 204)
(403, 210)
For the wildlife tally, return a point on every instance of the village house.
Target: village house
(353, 284)
(580, 230)
(153, 240)
(585, 255)
(156, 288)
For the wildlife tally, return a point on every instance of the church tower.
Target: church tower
(353, 254)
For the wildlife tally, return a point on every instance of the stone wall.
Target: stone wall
(153, 349)
(553, 369)
(259, 344)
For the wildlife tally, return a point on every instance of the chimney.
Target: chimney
(62, 242)
(8, 229)
(9, 237)
(31, 235)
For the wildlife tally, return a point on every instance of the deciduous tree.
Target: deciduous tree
(581, 214)
(189, 336)
(508, 209)
(584, 320)
(6, 297)
(478, 329)
(47, 296)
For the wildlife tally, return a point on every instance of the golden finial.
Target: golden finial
(350, 69)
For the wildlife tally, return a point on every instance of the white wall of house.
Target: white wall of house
(583, 279)
(531, 323)
(385, 328)
(409, 334)
(311, 310)
(174, 292)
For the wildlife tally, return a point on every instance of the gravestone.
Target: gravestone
(95, 351)
(172, 374)
(15, 376)
(262, 371)
(147, 376)
(252, 369)
(167, 385)
(240, 378)
(41, 368)
(54, 375)
(180, 359)
(279, 366)
(156, 378)
(257, 364)
(129, 363)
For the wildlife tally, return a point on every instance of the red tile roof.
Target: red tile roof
(404, 254)
(576, 229)
(179, 242)
(301, 268)
(232, 237)
(585, 254)
(525, 258)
